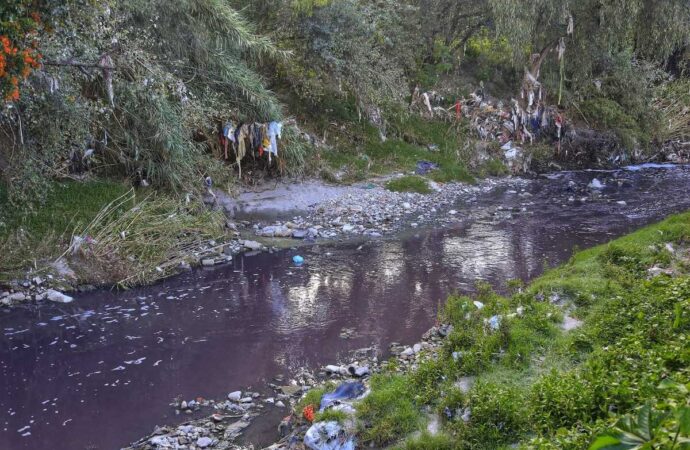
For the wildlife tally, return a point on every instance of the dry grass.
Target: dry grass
(145, 242)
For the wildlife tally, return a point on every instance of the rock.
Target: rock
(478, 304)
(17, 297)
(246, 400)
(162, 441)
(235, 396)
(300, 234)
(184, 265)
(183, 405)
(206, 262)
(452, 212)
(57, 297)
(280, 404)
(235, 429)
(290, 390)
(204, 442)
(252, 245)
(362, 371)
(407, 353)
(347, 228)
(621, 202)
(406, 205)
(445, 330)
(417, 348)
(333, 369)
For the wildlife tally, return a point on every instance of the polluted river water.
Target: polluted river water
(102, 371)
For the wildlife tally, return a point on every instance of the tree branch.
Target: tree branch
(70, 63)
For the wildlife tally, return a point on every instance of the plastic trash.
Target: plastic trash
(494, 322)
(297, 259)
(328, 436)
(346, 391)
(595, 184)
(424, 167)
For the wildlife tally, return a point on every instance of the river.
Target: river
(100, 372)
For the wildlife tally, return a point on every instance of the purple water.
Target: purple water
(100, 372)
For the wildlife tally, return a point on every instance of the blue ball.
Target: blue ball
(297, 259)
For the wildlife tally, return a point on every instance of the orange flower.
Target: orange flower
(13, 96)
(14, 81)
(26, 70)
(308, 413)
(6, 44)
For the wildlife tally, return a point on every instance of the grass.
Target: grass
(358, 152)
(388, 412)
(128, 239)
(27, 234)
(409, 183)
(536, 386)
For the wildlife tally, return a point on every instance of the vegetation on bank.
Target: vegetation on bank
(618, 381)
(108, 233)
(137, 90)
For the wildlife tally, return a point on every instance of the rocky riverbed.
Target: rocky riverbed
(365, 210)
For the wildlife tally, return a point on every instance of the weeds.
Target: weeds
(409, 183)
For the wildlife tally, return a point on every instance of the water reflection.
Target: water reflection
(119, 358)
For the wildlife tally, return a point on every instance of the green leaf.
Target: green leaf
(607, 442)
(670, 384)
(684, 420)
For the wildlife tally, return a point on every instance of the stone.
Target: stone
(406, 205)
(362, 371)
(452, 212)
(290, 390)
(235, 396)
(58, 297)
(280, 404)
(17, 297)
(252, 245)
(347, 228)
(204, 442)
(300, 234)
(246, 400)
(206, 262)
(417, 348)
(235, 429)
(407, 353)
(333, 369)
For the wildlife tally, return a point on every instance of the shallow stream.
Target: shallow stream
(100, 372)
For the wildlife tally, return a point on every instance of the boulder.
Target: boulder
(58, 297)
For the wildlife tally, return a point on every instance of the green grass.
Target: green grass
(536, 385)
(359, 153)
(129, 239)
(66, 206)
(388, 413)
(409, 183)
(41, 231)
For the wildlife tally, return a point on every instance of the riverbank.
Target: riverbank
(527, 369)
(139, 237)
(558, 363)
